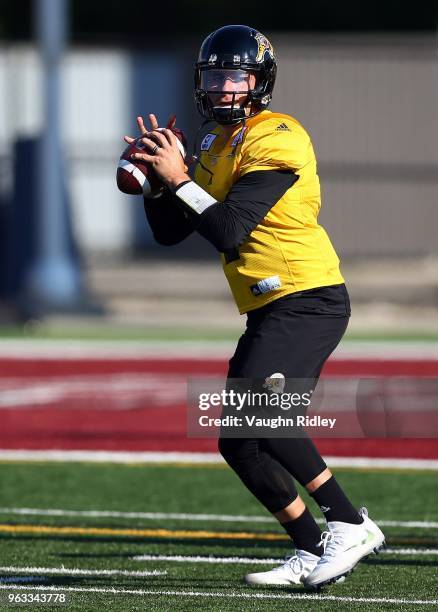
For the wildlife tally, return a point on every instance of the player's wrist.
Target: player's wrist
(178, 181)
(193, 196)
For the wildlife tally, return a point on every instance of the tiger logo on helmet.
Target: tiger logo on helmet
(264, 46)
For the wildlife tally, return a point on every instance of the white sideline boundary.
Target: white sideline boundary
(96, 456)
(25, 348)
(222, 594)
(117, 350)
(65, 571)
(184, 516)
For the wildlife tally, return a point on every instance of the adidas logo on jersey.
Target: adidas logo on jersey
(282, 128)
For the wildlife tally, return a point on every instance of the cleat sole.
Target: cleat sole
(340, 578)
(380, 547)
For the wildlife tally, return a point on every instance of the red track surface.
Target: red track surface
(101, 404)
(193, 367)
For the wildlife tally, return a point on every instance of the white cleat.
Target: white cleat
(293, 571)
(345, 545)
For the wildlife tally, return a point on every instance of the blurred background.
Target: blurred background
(77, 257)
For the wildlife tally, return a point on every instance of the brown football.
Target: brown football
(136, 177)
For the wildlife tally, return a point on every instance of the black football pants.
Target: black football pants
(293, 335)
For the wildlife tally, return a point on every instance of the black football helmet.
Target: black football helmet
(232, 54)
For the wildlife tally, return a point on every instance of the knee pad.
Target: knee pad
(267, 480)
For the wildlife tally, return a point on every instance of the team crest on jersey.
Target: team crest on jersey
(266, 285)
(207, 141)
(264, 45)
(238, 137)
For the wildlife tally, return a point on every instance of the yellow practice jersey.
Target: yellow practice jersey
(288, 251)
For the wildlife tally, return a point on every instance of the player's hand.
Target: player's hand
(162, 151)
(154, 126)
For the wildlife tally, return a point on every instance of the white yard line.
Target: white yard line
(408, 524)
(222, 594)
(382, 463)
(95, 456)
(184, 516)
(410, 551)
(266, 561)
(65, 571)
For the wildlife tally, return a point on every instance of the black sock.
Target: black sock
(334, 504)
(305, 533)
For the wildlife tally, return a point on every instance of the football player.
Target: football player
(256, 197)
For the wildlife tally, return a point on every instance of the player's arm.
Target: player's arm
(227, 224)
(269, 166)
(168, 222)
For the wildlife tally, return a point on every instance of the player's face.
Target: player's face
(232, 86)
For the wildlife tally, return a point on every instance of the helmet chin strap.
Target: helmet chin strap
(228, 115)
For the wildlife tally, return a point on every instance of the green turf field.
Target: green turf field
(98, 543)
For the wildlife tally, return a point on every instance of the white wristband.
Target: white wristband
(195, 197)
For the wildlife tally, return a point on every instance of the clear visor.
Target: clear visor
(226, 80)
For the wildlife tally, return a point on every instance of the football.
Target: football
(136, 177)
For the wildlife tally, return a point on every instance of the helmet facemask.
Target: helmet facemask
(228, 96)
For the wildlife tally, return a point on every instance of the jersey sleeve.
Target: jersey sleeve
(275, 145)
